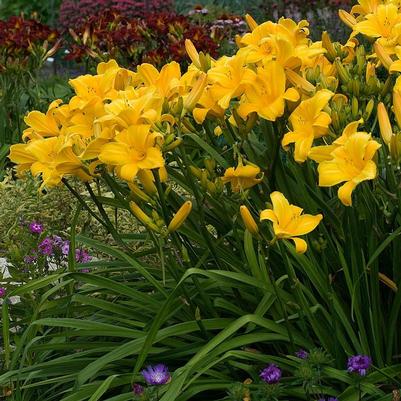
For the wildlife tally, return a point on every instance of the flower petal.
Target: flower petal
(300, 245)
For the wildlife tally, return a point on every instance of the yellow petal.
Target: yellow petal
(304, 224)
(330, 174)
(281, 208)
(345, 193)
(268, 214)
(300, 245)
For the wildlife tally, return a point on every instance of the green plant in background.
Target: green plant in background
(25, 45)
(46, 10)
(266, 185)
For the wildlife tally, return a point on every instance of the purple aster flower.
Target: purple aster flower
(82, 256)
(57, 241)
(35, 227)
(137, 389)
(30, 259)
(156, 375)
(359, 364)
(2, 292)
(271, 374)
(302, 354)
(65, 247)
(46, 246)
(85, 270)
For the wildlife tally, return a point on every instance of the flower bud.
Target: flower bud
(343, 73)
(210, 165)
(251, 22)
(180, 217)
(386, 131)
(147, 180)
(369, 109)
(142, 216)
(163, 174)
(328, 45)
(249, 221)
(347, 18)
(138, 193)
(395, 148)
(192, 53)
(397, 107)
(299, 81)
(196, 92)
(382, 55)
(354, 108)
(174, 144)
(218, 131)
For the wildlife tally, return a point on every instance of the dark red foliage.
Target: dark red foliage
(18, 33)
(23, 40)
(156, 38)
(75, 12)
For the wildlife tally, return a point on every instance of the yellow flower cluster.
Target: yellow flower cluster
(128, 121)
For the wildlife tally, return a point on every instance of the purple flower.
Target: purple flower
(156, 375)
(302, 354)
(82, 256)
(2, 292)
(271, 374)
(35, 227)
(46, 246)
(30, 259)
(359, 364)
(85, 270)
(65, 247)
(137, 389)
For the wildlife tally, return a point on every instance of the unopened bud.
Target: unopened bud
(147, 181)
(251, 22)
(369, 109)
(249, 221)
(386, 131)
(347, 18)
(180, 216)
(397, 107)
(142, 216)
(328, 45)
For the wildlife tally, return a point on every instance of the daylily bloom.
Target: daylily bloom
(52, 158)
(229, 78)
(308, 122)
(133, 150)
(383, 23)
(289, 222)
(242, 177)
(267, 94)
(351, 162)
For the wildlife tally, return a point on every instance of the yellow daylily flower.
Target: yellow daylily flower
(308, 122)
(45, 125)
(323, 153)
(383, 23)
(133, 150)
(229, 78)
(167, 82)
(242, 177)
(351, 162)
(52, 158)
(267, 94)
(289, 222)
(366, 7)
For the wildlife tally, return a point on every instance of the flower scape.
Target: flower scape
(265, 190)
